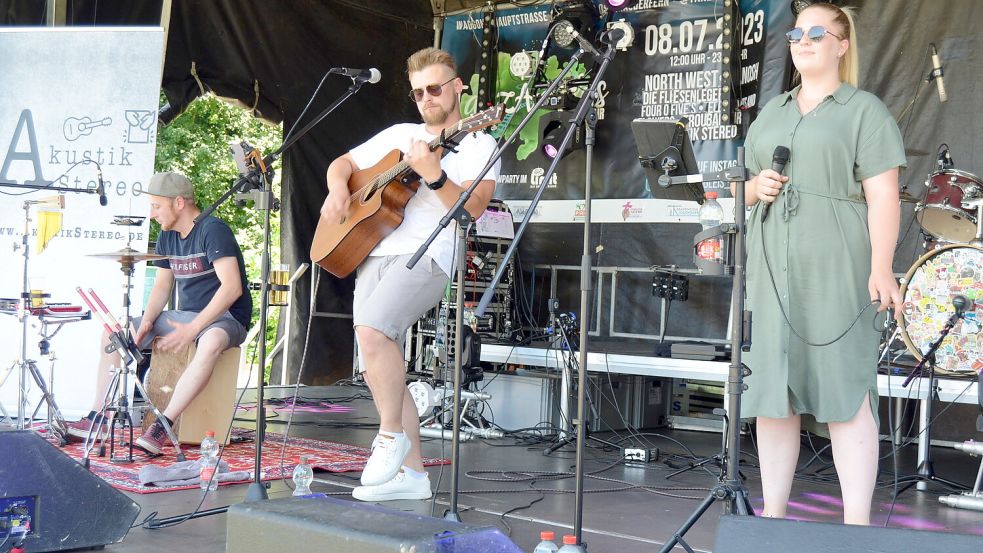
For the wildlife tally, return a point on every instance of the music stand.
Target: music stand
(664, 150)
(729, 488)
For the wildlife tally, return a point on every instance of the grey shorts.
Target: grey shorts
(226, 322)
(390, 298)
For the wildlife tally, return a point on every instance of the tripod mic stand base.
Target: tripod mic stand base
(257, 492)
(733, 492)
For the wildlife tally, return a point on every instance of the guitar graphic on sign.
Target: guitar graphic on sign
(77, 127)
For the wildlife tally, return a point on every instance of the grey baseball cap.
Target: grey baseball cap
(170, 185)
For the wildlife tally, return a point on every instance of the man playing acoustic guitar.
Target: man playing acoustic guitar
(389, 298)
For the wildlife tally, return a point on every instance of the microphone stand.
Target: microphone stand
(585, 108)
(926, 469)
(730, 488)
(256, 184)
(459, 214)
(25, 296)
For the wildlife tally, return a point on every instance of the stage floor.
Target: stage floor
(626, 507)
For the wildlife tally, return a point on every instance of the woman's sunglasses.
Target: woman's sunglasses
(434, 90)
(815, 34)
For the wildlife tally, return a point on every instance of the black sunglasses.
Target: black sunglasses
(815, 34)
(434, 90)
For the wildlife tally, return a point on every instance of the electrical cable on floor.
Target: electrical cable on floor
(146, 522)
(300, 372)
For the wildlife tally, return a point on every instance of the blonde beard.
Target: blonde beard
(441, 115)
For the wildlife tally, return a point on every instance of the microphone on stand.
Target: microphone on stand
(360, 75)
(945, 160)
(778, 161)
(101, 187)
(959, 305)
(937, 74)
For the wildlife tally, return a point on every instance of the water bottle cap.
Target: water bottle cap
(210, 433)
(547, 535)
(712, 195)
(569, 539)
(305, 459)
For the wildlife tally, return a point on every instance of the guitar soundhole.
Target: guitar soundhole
(367, 195)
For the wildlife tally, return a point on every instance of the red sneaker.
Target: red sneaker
(79, 430)
(153, 440)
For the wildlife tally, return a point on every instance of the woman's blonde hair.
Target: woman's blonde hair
(850, 62)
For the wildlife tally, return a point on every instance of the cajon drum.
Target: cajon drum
(210, 410)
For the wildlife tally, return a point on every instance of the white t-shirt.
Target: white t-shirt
(425, 209)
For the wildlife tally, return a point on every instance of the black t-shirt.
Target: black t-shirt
(191, 258)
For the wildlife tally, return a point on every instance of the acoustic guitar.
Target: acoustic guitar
(379, 195)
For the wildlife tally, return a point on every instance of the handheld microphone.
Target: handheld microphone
(360, 75)
(778, 161)
(937, 74)
(101, 187)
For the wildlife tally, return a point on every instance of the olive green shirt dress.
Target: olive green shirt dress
(817, 244)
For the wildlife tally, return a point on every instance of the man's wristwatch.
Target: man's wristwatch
(437, 184)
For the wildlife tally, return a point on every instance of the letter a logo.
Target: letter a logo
(32, 155)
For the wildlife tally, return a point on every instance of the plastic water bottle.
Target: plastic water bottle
(209, 461)
(569, 544)
(547, 545)
(303, 476)
(711, 213)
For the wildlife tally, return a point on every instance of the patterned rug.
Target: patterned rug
(241, 456)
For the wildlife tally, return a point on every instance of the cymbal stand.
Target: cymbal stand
(21, 364)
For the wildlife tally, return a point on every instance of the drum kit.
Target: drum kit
(950, 214)
(52, 316)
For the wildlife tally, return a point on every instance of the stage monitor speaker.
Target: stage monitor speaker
(747, 534)
(51, 502)
(323, 524)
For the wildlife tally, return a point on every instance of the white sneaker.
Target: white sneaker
(386, 459)
(401, 486)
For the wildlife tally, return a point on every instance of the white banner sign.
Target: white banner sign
(75, 100)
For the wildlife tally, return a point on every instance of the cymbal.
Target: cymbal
(128, 255)
(908, 198)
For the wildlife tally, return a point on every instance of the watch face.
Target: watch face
(521, 64)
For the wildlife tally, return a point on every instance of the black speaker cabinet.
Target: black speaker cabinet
(53, 503)
(747, 534)
(323, 524)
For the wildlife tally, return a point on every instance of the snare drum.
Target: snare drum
(927, 292)
(941, 213)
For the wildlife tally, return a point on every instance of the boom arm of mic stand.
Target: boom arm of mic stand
(456, 209)
(579, 115)
(269, 159)
(48, 188)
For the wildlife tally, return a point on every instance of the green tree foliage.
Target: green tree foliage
(196, 144)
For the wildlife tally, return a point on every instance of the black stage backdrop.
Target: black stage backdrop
(287, 45)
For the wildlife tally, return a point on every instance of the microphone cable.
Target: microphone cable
(778, 298)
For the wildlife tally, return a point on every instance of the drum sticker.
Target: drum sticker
(929, 289)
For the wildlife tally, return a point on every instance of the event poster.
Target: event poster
(676, 66)
(79, 103)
